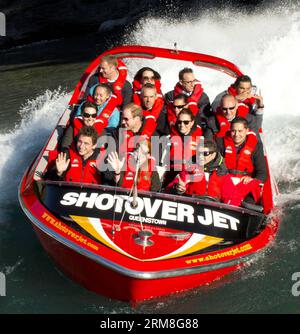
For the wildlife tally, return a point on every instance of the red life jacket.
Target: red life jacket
(137, 86)
(103, 118)
(182, 151)
(79, 173)
(249, 101)
(119, 82)
(224, 124)
(144, 177)
(212, 187)
(240, 164)
(78, 124)
(199, 185)
(150, 116)
(196, 95)
(171, 116)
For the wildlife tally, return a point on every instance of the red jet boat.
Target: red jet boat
(166, 243)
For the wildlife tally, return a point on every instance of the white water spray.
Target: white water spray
(263, 45)
(19, 146)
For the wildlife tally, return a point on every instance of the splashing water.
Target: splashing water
(264, 45)
(19, 146)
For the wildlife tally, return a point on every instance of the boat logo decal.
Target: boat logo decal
(157, 211)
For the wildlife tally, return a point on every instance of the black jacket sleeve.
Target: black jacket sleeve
(67, 139)
(169, 96)
(259, 163)
(204, 106)
(211, 127)
(126, 93)
(92, 82)
(155, 182)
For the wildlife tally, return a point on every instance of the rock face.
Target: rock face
(35, 20)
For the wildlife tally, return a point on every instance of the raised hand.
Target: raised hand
(115, 163)
(62, 163)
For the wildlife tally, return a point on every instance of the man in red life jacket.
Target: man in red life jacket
(112, 71)
(153, 111)
(245, 92)
(78, 164)
(208, 177)
(244, 158)
(132, 125)
(192, 88)
(219, 123)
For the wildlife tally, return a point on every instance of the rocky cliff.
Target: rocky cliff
(35, 20)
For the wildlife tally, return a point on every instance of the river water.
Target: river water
(264, 45)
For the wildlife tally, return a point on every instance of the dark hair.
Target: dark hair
(240, 120)
(181, 97)
(89, 131)
(139, 74)
(242, 78)
(211, 145)
(186, 111)
(183, 71)
(89, 104)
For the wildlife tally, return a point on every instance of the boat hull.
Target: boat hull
(104, 281)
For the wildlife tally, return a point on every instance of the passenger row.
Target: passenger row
(229, 166)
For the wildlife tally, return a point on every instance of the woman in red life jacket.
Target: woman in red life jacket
(184, 139)
(87, 118)
(244, 158)
(143, 76)
(173, 108)
(78, 164)
(125, 169)
(208, 176)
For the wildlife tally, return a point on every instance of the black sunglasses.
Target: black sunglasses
(207, 153)
(148, 78)
(179, 107)
(230, 108)
(184, 122)
(87, 115)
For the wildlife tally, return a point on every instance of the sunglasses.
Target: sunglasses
(229, 108)
(189, 82)
(87, 115)
(184, 122)
(207, 153)
(179, 107)
(148, 78)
